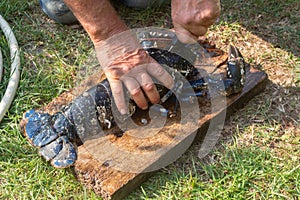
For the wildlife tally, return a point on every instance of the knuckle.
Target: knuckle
(208, 17)
(113, 72)
(149, 87)
(135, 92)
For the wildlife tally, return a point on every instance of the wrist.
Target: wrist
(104, 35)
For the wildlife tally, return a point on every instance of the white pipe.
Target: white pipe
(1, 65)
(14, 69)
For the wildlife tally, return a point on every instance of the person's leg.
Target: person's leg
(58, 11)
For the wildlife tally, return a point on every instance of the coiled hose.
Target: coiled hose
(14, 68)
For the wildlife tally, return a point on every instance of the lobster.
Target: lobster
(57, 136)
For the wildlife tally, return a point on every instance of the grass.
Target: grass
(259, 151)
(240, 173)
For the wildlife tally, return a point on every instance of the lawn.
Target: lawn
(258, 154)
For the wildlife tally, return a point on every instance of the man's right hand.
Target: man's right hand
(124, 62)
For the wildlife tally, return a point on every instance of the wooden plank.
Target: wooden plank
(112, 183)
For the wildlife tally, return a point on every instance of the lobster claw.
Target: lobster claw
(38, 129)
(51, 134)
(61, 152)
(236, 72)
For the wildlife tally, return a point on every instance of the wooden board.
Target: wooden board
(115, 184)
(114, 166)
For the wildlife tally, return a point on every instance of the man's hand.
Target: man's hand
(125, 62)
(192, 18)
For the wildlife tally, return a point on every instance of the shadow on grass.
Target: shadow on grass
(277, 22)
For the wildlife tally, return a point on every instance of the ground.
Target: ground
(259, 150)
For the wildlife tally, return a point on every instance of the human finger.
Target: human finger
(184, 35)
(198, 30)
(118, 95)
(158, 72)
(135, 92)
(148, 87)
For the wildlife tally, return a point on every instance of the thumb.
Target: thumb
(184, 35)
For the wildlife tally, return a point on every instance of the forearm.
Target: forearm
(97, 17)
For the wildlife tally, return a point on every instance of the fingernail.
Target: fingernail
(123, 111)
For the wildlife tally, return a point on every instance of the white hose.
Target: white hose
(1, 65)
(14, 69)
